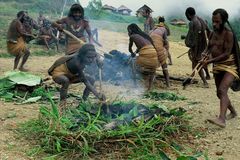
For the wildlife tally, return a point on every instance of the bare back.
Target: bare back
(161, 31)
(139, 41)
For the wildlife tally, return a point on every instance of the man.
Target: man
(76, 24)
(149, 22)
(16, 44)
(159, 37)
(46, 35)
(196, 40)
(225, 65)
(147, 54)
(161, 24)
(69, 69)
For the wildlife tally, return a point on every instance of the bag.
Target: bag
(236, 85)
(235, 50)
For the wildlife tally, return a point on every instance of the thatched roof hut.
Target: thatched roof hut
(124, 10)
(109, 8)
(178, 22)
(142, 10)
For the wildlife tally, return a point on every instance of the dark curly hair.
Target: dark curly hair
(190, 11)
(76, 7)
(161, 19)
(20, 13)
(86, 49)
(223, 13)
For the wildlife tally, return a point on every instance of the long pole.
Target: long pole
(65, 2)
(80, 41)
(100, 79)
(182, 54)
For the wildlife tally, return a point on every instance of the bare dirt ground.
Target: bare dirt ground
(202, 103)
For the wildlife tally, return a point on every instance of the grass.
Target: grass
(158, 138)
(157, 96)
(112, 22)
(176, 32)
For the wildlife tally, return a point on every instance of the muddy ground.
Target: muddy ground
(201, 103)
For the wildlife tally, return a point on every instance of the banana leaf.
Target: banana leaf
(32, 100)
(23, 78)
(5, 84)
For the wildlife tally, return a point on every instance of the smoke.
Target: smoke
(203, 7)
(118, 70)
(169, 8)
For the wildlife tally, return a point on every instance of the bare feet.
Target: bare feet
(231, 116)
(217, 122)
(208, 77)
(205, 85)
(62, 106)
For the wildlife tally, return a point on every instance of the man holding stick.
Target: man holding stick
(76, 24)
(16, 40)
(69, 69)
(222, 47)
(196, 41)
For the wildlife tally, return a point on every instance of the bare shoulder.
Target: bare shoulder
(63, 20)
(228, 33)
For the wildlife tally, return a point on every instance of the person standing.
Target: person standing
(76, 23)
(224, 57)
(196, 40)
(16, 44)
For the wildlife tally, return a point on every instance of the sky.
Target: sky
(168, 7)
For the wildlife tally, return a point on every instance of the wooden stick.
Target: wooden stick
(100, 79)
(65, 2)
(81, 41)
(198, 67)
(182, 54)
(159, 76)
(73, 36)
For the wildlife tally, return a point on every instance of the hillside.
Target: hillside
(103, 20)
(35, 129)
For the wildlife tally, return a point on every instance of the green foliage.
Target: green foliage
(143, 140)
(23, 78)
(235, 25)
(95, 5)
(157, 96)
(112, 17)
(176, 32)
(15, 86)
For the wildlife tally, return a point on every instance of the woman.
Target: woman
(147, 58)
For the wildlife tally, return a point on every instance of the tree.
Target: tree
(95, 5)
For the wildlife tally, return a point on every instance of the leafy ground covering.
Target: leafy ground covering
(80, 133)
(156, 95)
(48, 135)
(217, 143)
(22, 87)
(117, 129)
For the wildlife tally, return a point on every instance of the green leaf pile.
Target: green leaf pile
(158, 96)
(11, 79)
